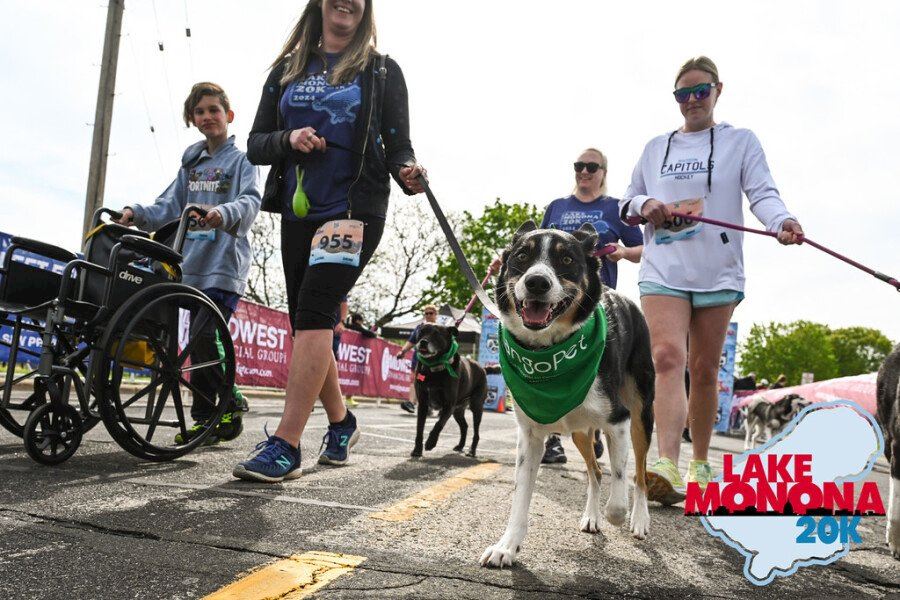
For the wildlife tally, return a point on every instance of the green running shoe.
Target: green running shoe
(664, 483)
(195, 430)
(232, 422)
(699, 471)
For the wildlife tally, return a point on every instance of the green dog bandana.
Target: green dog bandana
(444, 359)
(547, 384)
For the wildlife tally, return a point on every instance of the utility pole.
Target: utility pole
(103, 115)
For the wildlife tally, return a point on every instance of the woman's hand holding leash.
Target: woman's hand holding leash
(656, 212)
(791, 232)
(305, 140)
(410, 176)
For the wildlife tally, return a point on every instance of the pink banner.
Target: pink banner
(859, 389)
(262, 345)
(370, 367)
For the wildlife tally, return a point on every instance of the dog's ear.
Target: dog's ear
(526, 227)
(587, 235)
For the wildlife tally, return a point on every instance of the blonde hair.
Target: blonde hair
(204, 88)
(306, 37)
(603, 165)
(428, 307)
(699, 63)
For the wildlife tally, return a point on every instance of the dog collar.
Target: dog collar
(549, 383)
(443, 360)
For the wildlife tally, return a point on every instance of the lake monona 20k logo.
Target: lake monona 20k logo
(797, 501)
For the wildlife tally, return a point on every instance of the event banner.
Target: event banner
(262, 345)
(370, 367)
(726, 379)
(489, 354)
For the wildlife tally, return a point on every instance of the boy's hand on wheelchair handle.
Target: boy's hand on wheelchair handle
(214, 218)
(127, 217)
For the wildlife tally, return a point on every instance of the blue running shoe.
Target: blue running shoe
(276, 461)
(337, 442)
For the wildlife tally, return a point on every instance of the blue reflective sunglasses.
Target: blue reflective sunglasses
(700, 91)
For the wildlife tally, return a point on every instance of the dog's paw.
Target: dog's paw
(498, 556)
(640, 522)
(893, 538)
(458, 448)
(615, 513)
(416, 453)
(590, 521)
(430, 443)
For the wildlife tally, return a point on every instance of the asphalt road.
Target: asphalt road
(107, 525)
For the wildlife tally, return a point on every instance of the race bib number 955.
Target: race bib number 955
(338, 242)
(680, 228)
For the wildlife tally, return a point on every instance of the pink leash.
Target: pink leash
(886, 278)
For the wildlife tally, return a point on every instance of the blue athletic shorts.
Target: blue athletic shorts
(697, 299)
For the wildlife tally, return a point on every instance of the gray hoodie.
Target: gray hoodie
(228, 182)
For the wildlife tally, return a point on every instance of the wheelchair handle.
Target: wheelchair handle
(48, 250)
(151, 249)
(98, 215)
(185, 222)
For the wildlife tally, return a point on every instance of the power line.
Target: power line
(140, 78)
(166, 75)
(187, 34)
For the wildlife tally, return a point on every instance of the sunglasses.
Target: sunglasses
(700, 92)
(591, 167)
(430, 314)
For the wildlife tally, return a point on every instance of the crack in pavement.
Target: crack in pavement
(372, 589)
(142, 535)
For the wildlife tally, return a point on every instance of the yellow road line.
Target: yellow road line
(406, 509)
(291, 578)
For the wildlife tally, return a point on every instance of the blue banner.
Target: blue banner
(726, 379)
(489, 354)
(28, 340)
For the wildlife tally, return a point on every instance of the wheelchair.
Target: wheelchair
(122, 333)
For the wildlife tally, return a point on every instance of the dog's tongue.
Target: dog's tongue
(535, 313)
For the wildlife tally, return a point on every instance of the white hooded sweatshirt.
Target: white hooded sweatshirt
(709, 258)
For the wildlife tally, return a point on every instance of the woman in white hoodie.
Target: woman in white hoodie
(692, 274)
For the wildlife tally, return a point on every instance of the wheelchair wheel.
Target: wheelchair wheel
(13, 417)
(52, 433)
(157, 333)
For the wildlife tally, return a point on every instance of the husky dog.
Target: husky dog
(548, 291)
(888, 387)
(764, 420)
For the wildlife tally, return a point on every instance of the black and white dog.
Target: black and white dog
(548, 287)
(448, 387)
(888, 386)
(763, 420)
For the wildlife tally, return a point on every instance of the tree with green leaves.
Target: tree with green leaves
(482, 239)
(804, 346)
(859, 349)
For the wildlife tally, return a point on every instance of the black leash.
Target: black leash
(457, 250)
(448, 233)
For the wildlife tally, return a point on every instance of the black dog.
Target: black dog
(449, 383)
(888, 387)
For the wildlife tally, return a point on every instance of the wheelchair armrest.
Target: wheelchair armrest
(48, 250)
(151, 249)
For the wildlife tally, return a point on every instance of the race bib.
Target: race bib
(199, 229)
(680, 228)
(339, 242)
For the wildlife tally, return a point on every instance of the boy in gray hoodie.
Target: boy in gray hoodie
(217, 176)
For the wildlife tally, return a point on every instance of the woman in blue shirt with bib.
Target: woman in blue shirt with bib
(590, 204)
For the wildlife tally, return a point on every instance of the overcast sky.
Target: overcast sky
(503, 96)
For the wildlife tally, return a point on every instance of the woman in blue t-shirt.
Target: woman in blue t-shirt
(590, 204)
(333, 121)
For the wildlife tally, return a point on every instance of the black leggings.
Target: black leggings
(315, 293)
